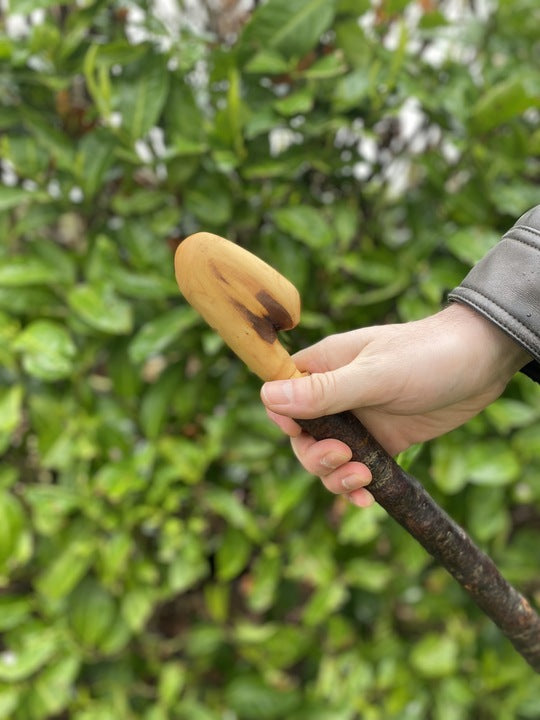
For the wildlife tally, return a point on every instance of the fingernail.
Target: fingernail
(278, 393)
(334, 460)
(361, 498)
(353, 482)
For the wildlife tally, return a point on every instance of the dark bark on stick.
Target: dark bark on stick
(406, 500)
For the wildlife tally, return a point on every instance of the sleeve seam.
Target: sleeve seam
(512, 331)
(509, 236)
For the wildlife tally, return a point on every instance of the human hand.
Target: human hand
(406, 383)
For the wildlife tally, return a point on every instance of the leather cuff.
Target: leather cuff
(505, 286)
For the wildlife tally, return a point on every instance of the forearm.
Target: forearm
(504, 287)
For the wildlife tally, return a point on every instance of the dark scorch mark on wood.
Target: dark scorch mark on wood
(267, 326)
(277, 314)
(218, 274)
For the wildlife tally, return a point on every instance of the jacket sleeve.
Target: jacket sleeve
(505, 286)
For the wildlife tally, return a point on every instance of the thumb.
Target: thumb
(317, 394)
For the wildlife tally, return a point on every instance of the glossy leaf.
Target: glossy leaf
(101, 309)
(35, 649)
(435, 656)
(48, 350)
(156, 335)
(162, 553)
(142, 94)
(505, 100)
(305, 224)
(290, 27)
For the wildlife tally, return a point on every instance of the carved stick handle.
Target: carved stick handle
(406, 500)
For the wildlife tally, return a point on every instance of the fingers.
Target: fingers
(334, 351)
(312, 396)
(320, 457)
(369, 378)
(331, 461)
(284, 423)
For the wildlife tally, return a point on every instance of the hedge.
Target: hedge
(162, 554)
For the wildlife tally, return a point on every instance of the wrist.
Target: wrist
(500, 347)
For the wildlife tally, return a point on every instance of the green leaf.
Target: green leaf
(227, 505)
(9, 700)
(306, 224)
(66, 569)
(457, 461)
(325, 601)
(137, 606)
(11, 197)
(187, 459)
(506, 100)
(10, 411)
(265, 578)
(329, 66)
(209, 199)
(514, 199)
(435, 656)
(471, 244)
(491, 463)
(92, 613)
(28, 159)
(291, 27)
(156, 402)
(141, 95)
(50, 506)
(217, 599)
(267, 62)
(140, 202)
(249, 697)
(352, 41)
(118, 480)
(233, 554)
(352, 89)
(27, 6)
(14, 610)
(160, 332)
(172, 680)
(48, 350)
(53, 687)
(277, 645)
(368, 574)
(34, 650)
(11, 527)
(22, 271)
(147, 286)
(487, 515)
(507, 414)
(101, 309)
(188, 567)
(94, 158)
(297, 103)
(449, 469)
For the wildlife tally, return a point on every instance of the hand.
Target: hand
(406, 383)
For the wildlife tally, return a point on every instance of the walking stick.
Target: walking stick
(248, 302)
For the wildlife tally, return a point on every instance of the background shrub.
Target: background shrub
(161, 553)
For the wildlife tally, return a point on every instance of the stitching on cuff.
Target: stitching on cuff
(509, 236)
(500, 322)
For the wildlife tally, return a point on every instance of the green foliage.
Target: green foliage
(161, 553)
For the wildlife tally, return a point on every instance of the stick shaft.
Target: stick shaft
(406, 500)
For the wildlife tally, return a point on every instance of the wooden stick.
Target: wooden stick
(407, 501)
(248, 302)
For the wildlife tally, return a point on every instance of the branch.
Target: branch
(406, 500)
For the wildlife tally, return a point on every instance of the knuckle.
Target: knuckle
(323, 389)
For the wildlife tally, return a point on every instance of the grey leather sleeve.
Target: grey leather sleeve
(505, 286)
